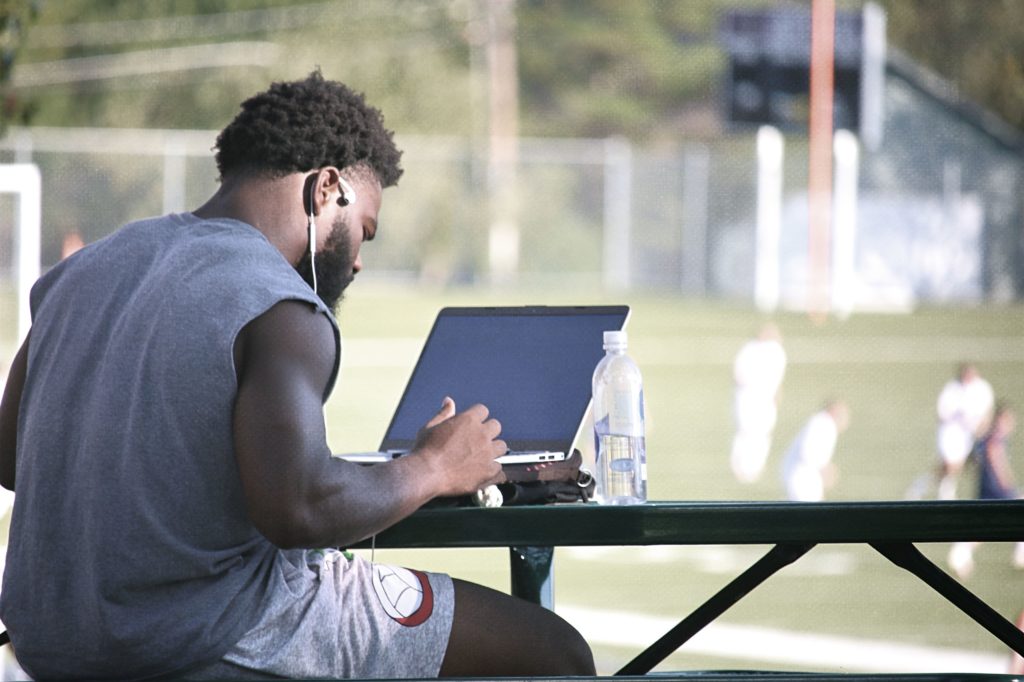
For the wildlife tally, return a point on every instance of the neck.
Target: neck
(271, 205)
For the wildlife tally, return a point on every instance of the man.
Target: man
(963, 409)
(163, 429)
(807, 469)
(995, 482)
(758, 371)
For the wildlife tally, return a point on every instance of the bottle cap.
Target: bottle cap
(615, 339)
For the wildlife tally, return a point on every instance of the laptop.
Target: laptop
(531, 366)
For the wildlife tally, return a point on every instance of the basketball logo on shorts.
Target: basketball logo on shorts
(405, 594)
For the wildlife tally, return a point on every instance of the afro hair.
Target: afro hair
(299, 126)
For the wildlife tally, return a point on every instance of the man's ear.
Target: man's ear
(323, 186)
(329, 185)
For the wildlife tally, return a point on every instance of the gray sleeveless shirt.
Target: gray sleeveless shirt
(131, 554)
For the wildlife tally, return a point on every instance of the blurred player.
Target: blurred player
(758, 371)
(808, 470)
(995, 482)
(964, 409)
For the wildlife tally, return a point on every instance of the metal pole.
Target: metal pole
(844, 224)
(25, 180)
(174, 175)
(769, 218)
(503, 115)
(694, 242)
(819, 181)
(618, 210)
(531, 574)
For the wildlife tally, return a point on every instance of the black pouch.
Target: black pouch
(538, 483)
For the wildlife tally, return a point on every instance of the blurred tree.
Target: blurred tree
(15, 19)
(976, 44)
(604, 67)
(162, 63)
(188, 63)
(646, 69)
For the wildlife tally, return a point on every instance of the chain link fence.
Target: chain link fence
(940, 213)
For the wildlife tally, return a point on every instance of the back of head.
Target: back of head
(769, 331)
(298, 126)
(966, 372)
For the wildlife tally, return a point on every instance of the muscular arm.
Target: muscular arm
(296, 493)
(9, 408)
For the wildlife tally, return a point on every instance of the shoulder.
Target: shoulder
(979, 393)
(291, 339)
(290, 324)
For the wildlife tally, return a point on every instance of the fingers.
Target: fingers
(478, 411)
(481, 413)
(491, 427)
(447, 411)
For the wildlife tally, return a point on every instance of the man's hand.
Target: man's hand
(462, 448)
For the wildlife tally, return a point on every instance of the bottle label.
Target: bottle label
(622, 465)
(625, 414)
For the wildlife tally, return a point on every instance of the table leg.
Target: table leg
(906, 556)
(766, 566)
(531, 574)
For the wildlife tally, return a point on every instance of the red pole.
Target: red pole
(819, 181)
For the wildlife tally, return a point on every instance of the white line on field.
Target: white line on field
(704, 351)
(715, 559)
(770, 645)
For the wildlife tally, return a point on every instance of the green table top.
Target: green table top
(709, 523)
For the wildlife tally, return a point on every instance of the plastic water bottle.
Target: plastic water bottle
(619, 448)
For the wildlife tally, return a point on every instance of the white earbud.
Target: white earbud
(312, 238)
(347, 193)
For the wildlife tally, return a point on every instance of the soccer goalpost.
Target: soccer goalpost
(25, 181)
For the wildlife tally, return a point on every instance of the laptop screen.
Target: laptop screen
(531, 366)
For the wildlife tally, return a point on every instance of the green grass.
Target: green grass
(889, 368)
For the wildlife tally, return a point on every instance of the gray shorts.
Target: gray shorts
(340, 616)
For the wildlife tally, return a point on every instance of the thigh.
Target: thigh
(495, 634)
(341, 616)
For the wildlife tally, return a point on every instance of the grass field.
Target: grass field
(889, 368)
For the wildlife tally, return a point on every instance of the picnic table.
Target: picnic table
(793, 528)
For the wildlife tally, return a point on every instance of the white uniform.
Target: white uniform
(758, 371)
(808, 456)
(962, 410)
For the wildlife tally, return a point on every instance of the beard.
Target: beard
(334, 263)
